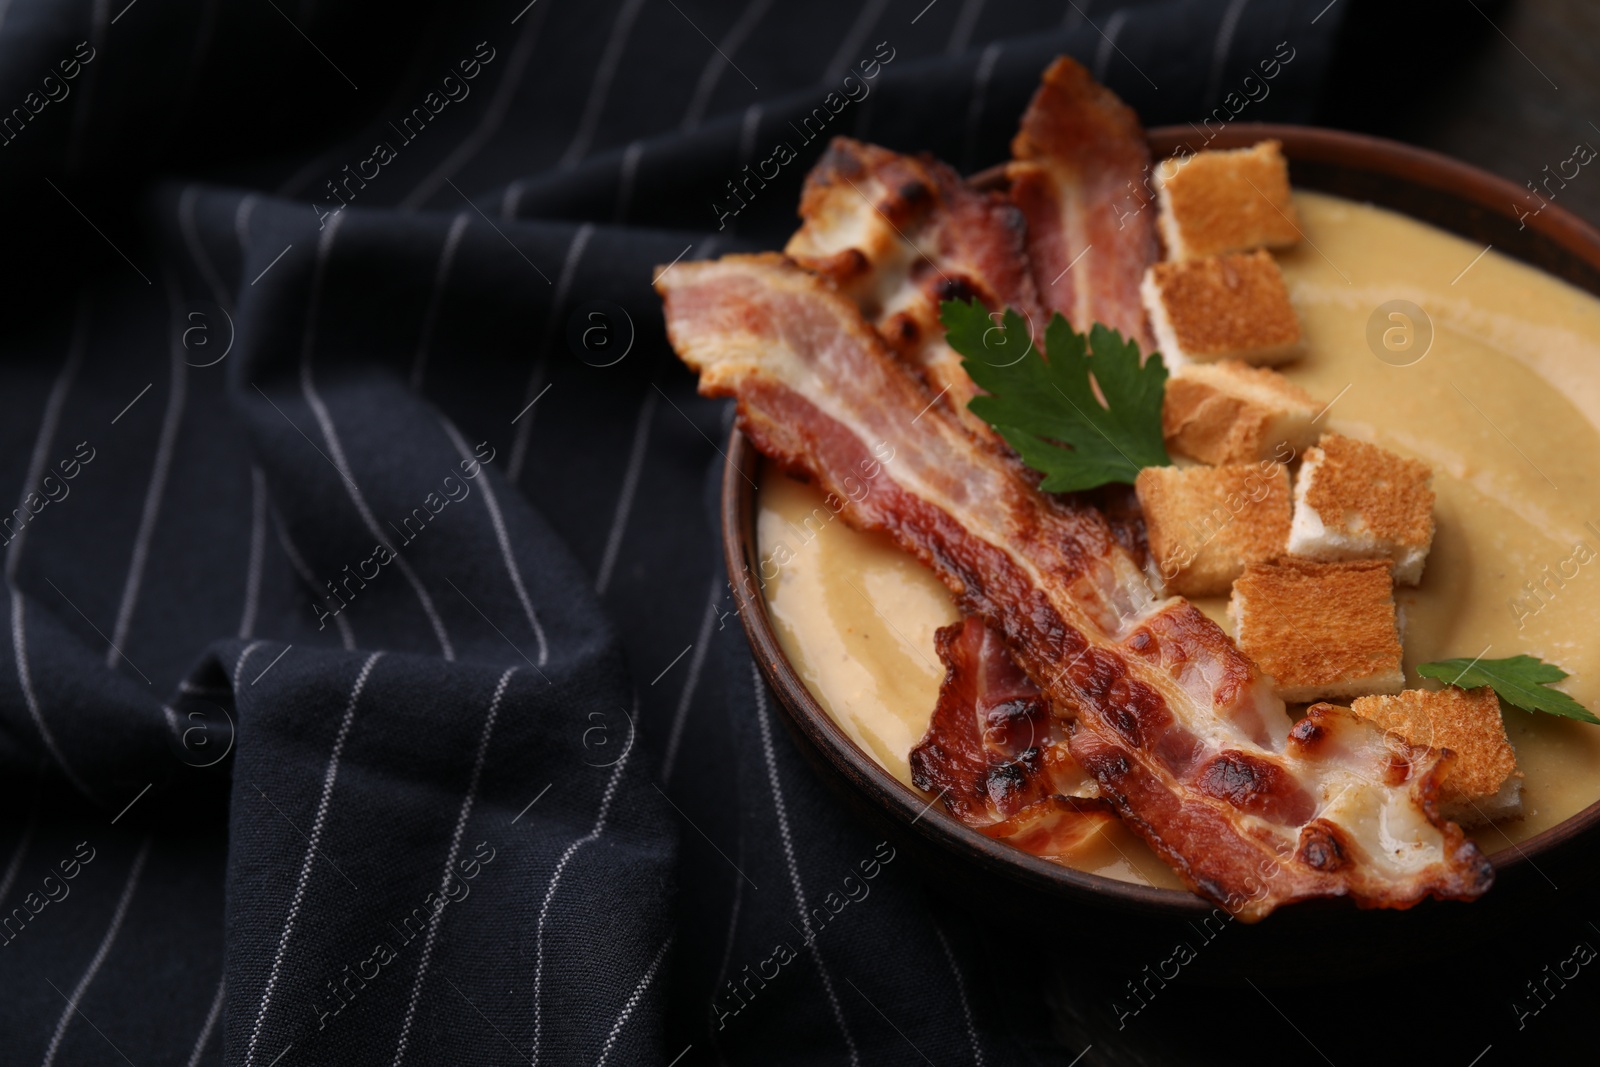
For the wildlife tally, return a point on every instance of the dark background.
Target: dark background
(1508, 86)
(180, 175)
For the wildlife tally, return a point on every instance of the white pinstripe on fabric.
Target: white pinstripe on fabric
(258, 538)
(45, 439)
(347, 636)
(450, 861)
(99, 19)
(961, 994)
(550, 891)
(238, 668)
(626, 175)
(100, 953)
(727, 946)
(258, 482)
(749, 129)
(977, 98)
(36, 463)
(210, 1025)
(330, 433)
(630, 487)
(510, 199)
(241, 220)
(493, 115)
(604, 72)
(324, 803)
(719, 59)
(851, 43)
(441, 273)
(174, 723)
(702, 644)
(504, 540)
(1108, 42)
(1220, 48)
(961, 32)
(177, 395)
(569, 268)
(789, 859)
(632, 1003)
(197, 249)
(14, 865)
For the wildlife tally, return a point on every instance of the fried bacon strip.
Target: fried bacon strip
(1080, 181)
(997, 755)
(898, 234)
(1181, 732)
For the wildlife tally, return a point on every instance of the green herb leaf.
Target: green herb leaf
(1522, 681)
(1044, 405)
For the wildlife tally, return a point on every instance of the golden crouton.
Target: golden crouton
(1225, 307)
(1233, 201)
(1483, 783)
(1320, 630)
(1228, 412)
(1353, 500)
(1206, 524)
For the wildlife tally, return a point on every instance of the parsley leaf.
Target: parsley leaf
(1522, 681)
(1044, 405)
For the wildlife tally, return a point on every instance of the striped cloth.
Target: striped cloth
(373, 692)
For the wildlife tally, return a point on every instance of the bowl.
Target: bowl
(1450, 195)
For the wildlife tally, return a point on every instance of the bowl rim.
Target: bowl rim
(913, 811)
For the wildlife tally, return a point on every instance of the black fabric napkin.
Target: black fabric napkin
(373, 692)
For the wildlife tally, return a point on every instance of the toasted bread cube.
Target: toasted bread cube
(1225, 307)
(1321, 630)
(1353, 500)
(1232, 201)
(1206, 524)
(1229, 412)
(1483, 783)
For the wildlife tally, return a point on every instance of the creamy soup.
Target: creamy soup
(1504, 406)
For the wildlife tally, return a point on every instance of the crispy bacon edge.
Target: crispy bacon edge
(899, 234)
(1179, 729)
(1080, 179)
(997, 756)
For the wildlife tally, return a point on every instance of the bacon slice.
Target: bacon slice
(997, 756)
(899, 234)
(1081, 181)
(1181, 732)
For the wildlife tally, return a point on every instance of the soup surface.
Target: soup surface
(1504, 405)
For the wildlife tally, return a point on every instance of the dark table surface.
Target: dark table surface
(1511, 87)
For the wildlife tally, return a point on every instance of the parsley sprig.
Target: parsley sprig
(1044, 405)
(1521, 681)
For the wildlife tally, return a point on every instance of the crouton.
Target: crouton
(1233, 201)
(1353, 500)
(1206, 524)
(1483, 783)
(1225, 307)
(1321, 630)
(1228, 412)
